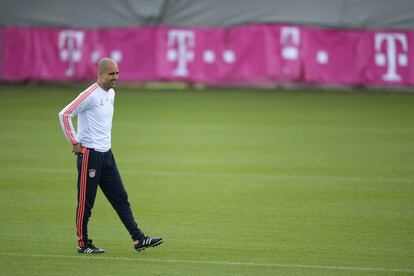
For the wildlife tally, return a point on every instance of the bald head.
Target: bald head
(103, 63)
(108, 73)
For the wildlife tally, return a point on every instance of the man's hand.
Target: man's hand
(76, 149)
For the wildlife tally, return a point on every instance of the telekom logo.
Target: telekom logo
(181, 45)
(289, 40)
(391, 58)
(70, 44)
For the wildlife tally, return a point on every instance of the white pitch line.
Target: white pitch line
(231, 175)
(305, 266)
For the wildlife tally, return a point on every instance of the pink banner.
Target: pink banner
(335, 56)
(56, 54)
(345, 57)
(390, 60)
(255, 54)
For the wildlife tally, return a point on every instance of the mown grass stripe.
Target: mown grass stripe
(225, 263)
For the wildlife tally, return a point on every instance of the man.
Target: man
(95, 162)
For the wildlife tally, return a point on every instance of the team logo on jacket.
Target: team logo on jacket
(92, 173)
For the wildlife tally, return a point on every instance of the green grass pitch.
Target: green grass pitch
(238, 182)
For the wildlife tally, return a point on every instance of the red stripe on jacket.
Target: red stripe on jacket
(72, 107)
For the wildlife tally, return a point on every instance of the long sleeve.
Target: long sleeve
(81, 103)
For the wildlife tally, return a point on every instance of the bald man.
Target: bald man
(91, 143)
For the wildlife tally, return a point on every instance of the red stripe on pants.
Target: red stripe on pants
(82, 196)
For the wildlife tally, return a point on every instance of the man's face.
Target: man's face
(109, 76)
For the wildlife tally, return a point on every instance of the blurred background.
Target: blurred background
(346, 43)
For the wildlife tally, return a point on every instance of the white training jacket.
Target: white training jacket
(94, 108)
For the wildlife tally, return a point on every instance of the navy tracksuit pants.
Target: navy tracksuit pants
(99, 168)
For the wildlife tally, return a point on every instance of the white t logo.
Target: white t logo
(391, 58)
(180, 48)
(289, 40)
(70, 43)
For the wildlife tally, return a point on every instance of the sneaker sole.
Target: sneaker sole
(154, 245)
